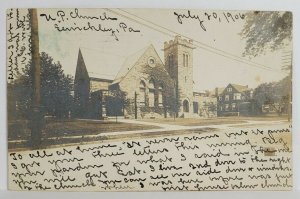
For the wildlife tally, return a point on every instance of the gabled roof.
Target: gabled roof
(90, 64)
(240, 88)
(99, 67)
(130, 62)
(237, 87)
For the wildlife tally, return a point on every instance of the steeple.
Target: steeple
(81, 70)
(81, 83)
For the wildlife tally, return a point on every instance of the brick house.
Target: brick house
(235, 100)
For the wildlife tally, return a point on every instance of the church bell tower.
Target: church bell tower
(178, 54)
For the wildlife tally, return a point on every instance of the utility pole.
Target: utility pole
(287, 59)
(36, 120)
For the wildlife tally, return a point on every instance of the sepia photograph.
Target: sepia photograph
(118, 99)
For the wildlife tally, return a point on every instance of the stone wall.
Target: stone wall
(142, 71)
(180, 68)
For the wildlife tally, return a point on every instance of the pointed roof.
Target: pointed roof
(129, 63)
(81, 71)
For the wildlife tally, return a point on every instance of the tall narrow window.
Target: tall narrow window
(142, 94)
(151, 93)
(186, 60)
(160, 95)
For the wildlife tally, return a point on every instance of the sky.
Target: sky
(104, 54)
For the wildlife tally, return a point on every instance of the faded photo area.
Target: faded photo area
(149, 100)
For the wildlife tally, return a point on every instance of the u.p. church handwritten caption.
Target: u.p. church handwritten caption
(75, 20)
(244, 159)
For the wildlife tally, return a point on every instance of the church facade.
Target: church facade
(153, 88)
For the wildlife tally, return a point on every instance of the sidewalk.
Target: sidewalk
(172, 127)
(161, 130)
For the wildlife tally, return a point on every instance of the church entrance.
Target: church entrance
(186, 106)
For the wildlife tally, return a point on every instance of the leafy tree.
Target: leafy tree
(266, 30)
(269, 31)
(56, 87)
(208, 108)
(171, 102)
(115, 103)
(273, 93)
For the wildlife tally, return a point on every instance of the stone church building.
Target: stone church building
(153, 88)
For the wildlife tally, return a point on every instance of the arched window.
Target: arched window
(151, 84)
(185, 60)
(142, 95)
(186, 106)
(160, 95)
(151, 93)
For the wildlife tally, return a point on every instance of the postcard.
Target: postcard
(149, 99)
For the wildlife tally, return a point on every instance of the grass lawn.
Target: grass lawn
(62, 132)
(213, 121)
(81, 128)
(57, 132)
